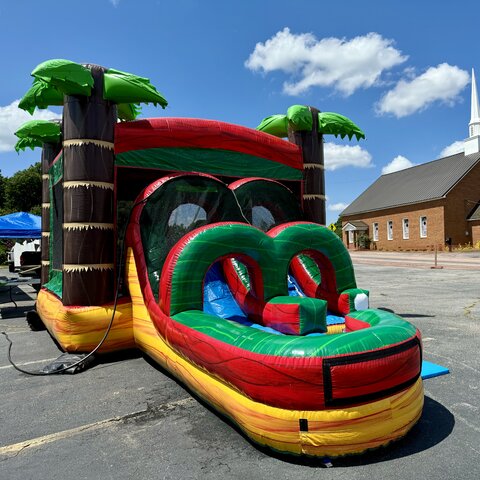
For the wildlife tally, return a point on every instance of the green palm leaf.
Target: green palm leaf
(128, 111)
(299, 118)
(68, 77)
(336, 124)
(37, 132)
(24, 143)
(41, 95)
(275, 125)
(122, 87)
(56, 78)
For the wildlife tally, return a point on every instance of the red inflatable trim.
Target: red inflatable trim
(242, 181)
(251, 305)
(352, 324)
(199, 133)
(367, 376)
(282, 317)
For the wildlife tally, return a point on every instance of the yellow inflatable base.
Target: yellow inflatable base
(330, 432)
(80, 329)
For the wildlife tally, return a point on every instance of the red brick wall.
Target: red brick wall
(434, 211)
(460, 202)
(475, 225)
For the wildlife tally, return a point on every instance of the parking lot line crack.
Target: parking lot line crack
(151, 412)
(468, 309)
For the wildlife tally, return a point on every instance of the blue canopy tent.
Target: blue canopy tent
(20, 225)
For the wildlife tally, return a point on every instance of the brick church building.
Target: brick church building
(422, 207)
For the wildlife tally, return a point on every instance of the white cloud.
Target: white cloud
(11, 117)
(337, 207)
(346, 65)
(455, 147)
(338, 156)
(115, 3)
(398, 163)
(442, 83)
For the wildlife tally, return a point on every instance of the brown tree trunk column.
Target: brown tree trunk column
(311, 143)
(88, 182)
(49, 153)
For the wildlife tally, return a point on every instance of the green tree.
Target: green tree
(338, 225)
(23, 191)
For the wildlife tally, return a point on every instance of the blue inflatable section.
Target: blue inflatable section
(219, 301)
(217, 298)
(431, 370)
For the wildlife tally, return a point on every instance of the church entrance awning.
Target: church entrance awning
(355, 226)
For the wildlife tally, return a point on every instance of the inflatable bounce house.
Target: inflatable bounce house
(231, 281)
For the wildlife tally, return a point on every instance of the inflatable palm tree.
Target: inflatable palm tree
(93, 98)
(305, 126)
(47, 135)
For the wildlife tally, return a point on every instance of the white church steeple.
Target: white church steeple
(474, 125)
(472, 143)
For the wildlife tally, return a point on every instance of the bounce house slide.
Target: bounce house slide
(219, 300)
(233, 283)
(223, 306)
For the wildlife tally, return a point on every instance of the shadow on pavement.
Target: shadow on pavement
(434, 426)
(12, 312)
(7, 307)
(406, 315)
(114, 357)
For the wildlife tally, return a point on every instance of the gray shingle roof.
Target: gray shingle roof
(429, 181)
(475, 214)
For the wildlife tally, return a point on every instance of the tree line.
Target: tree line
(22, 192)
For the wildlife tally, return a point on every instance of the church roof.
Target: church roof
(422, 183)
(475, 213)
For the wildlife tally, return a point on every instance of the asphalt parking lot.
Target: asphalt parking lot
(127, 419)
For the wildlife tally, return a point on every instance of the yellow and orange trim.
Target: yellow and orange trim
(80, 329)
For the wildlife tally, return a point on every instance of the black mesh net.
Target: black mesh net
(57, 226)
(267, 204)
(177, 207)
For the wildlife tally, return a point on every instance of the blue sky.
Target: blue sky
(400, 70)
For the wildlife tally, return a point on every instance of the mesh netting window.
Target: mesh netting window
(267, 204)
(177, 207)
(188, 215)
(57, 224)
(262, 218)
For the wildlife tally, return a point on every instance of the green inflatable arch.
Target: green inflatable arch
(267, 258)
